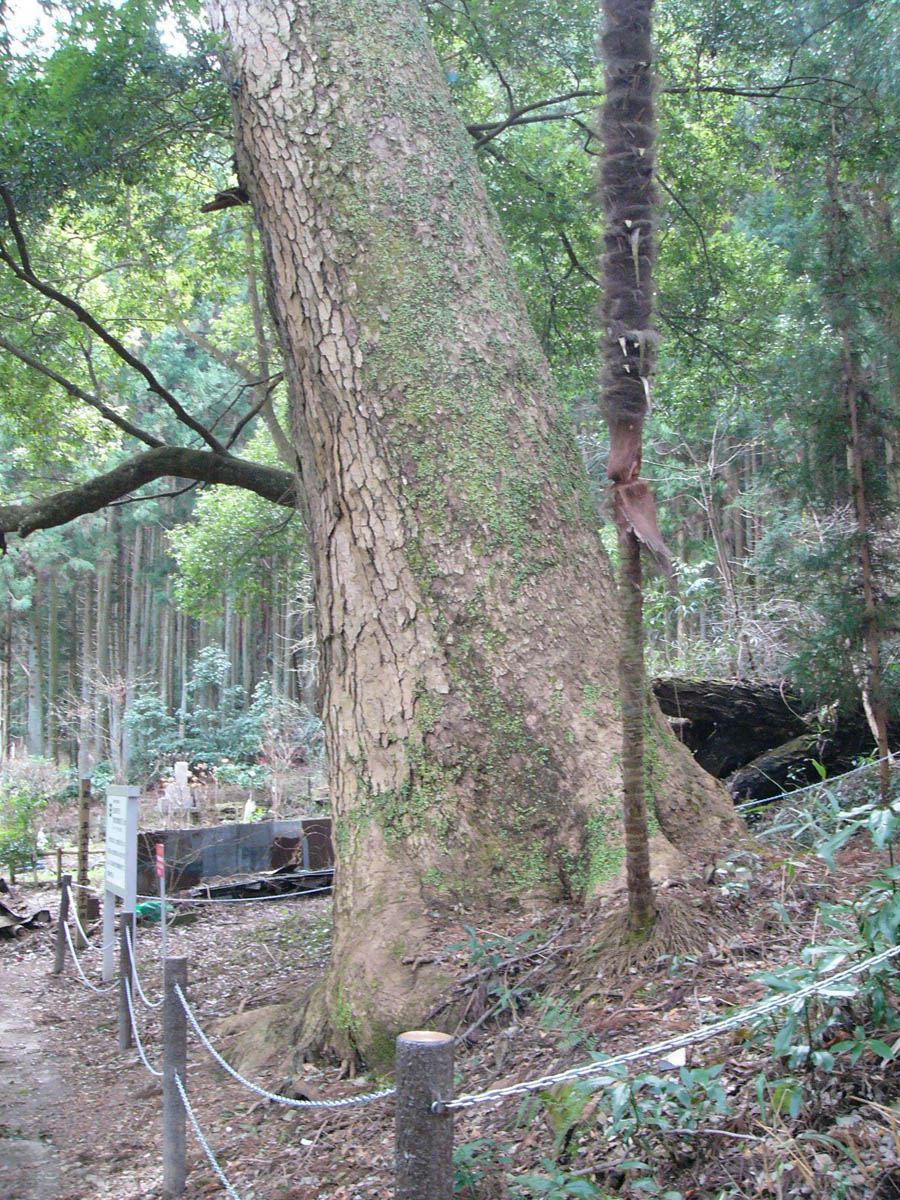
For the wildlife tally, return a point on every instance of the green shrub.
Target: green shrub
(27, 786)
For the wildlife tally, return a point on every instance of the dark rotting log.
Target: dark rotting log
(756, 736)
(793, 764)
(727, 723)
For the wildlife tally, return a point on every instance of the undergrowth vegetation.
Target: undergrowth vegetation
(799, 1102)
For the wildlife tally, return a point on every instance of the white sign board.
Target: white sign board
(121, 843)
(121, 862)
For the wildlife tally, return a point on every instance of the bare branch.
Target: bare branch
(265, 399)
(179, 462)
(79, 393)
(576, 262)
(233, 363)
(23, 271)
(693, 220)
(514, 116)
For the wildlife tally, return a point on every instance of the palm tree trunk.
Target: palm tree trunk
(627, 126)
(633, 684)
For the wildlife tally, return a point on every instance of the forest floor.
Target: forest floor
(80, 1121)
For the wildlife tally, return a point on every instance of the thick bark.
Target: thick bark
(466, 614)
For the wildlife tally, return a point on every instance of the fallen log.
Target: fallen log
(756, 736)
(794, 764)
(727, 723)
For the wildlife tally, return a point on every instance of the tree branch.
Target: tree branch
(80, 394)
(233, 363)
(180, 462)
(693, 220)
(23, 271)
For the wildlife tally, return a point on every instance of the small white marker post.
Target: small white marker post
(161, 872)
(121, 864)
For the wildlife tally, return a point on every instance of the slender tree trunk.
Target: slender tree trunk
(682, 626)
(633, 685)
(102, 646)
(148, 664)
(6, 684)
(627, 127)
(166, 652)
(247, 679)
(132, 640)
(287, 640)
(35, 719)
(53, 670)
(466, 612)
(183, 627)
(87, 703)
(839, 281)
(873, 694)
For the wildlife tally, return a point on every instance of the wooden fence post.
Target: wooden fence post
(424, 1139)
(174, 1062)
(61, 920)
(126, 927)
(59, 866)
(84, 840)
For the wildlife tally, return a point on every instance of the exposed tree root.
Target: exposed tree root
(678, 929)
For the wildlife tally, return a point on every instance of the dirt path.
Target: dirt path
(70, 1107)
(30, 1090)
(80, 1121)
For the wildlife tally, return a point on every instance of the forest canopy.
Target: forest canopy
(116, 133)
(282, 258)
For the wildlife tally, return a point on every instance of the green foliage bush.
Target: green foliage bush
(246, 743)
(27, 786)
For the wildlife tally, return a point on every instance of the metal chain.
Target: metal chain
(137, 1036)
(675, 1043)
(810, 786)
(84, 887)
(235, 899)
(273, 1096)
(136, 977)
(85, 980)
(198, 1132)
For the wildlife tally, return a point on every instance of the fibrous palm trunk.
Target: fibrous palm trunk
(627, 126)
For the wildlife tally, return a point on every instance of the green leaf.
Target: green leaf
(879, 1047)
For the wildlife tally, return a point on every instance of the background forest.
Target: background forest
(178, 623)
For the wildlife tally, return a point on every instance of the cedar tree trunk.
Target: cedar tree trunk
(466, 614)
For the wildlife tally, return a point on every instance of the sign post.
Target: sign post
(161, 872)
(121, 864)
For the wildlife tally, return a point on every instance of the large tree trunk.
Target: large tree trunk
(466, 613)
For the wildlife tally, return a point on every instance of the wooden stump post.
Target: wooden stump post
(84, 841)
(60, 956)
(174, 1062)
(424, 1138)
(126, 926)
